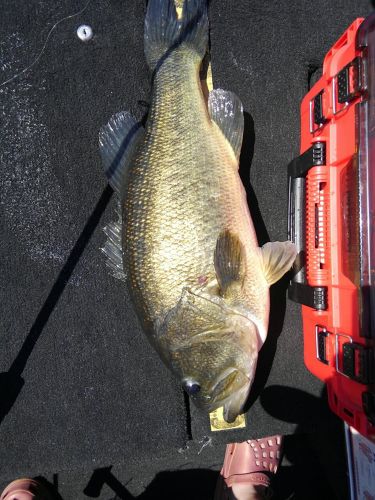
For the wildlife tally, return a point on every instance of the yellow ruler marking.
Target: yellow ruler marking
(218, 423)
(179, 4)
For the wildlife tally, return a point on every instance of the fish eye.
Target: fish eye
(191, 387)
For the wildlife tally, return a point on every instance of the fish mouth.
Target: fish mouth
(234, 405)
(235, 401)
(232, 402)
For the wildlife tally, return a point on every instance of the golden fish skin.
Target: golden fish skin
(197, 277)
(183, 191)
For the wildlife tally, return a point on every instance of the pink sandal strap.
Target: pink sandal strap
(255, 478)
(253, 461)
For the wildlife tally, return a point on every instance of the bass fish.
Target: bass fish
(185, 243)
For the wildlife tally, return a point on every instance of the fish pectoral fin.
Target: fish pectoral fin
(226, 111)
(118, 141)
(229, 262)
(277, 258)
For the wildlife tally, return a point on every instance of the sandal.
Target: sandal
(251, 462)
(25, 489)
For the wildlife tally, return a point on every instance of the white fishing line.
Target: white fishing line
(207, 441)
(45, 44)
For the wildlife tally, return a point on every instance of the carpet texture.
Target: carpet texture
(80, 387)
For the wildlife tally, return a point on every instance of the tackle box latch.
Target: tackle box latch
(358, 362)
(321, 337)
(349, 81)
(317, 116)
(299, 290)
(347, 85)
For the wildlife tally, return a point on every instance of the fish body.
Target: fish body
(196, 275)
(183, 192)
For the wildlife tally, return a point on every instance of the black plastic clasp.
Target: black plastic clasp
(358, 362)
(299, 291)
(312, 157)
(311, 296)
(317, 116)
(349, 81)
(321, 344)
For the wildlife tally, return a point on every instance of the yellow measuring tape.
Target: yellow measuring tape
(218, 423)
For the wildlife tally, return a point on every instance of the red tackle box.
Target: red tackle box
(331, 218)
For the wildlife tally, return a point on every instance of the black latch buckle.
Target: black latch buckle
(321, 335)
(349, 81)
(358, 362)
(317, 117)
(347, 85)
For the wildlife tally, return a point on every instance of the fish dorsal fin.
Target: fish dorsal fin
(277, 258)
(118, 141)
(113, 247)
(229, 262)
(226, 111)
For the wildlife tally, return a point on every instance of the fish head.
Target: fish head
(218, 368)
(213, 350)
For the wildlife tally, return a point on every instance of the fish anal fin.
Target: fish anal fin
(277, 258)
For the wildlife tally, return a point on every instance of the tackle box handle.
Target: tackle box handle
(299, 290)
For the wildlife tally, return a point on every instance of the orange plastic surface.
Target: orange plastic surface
(331, 227)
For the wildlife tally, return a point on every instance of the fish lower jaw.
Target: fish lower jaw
(211, 406)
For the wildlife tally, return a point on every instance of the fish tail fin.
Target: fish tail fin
(171, 24)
